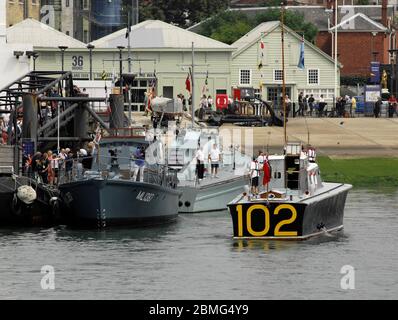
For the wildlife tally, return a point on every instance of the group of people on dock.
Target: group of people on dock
(308, 105)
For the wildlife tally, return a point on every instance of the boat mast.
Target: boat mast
(193, 86)
(335, 55)
(129, 61)
(283, 73)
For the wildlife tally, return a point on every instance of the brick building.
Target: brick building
(369, 30)
(19, 10)
(360, 40)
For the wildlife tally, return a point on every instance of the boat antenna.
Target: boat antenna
(283, 72)
(269, 135)
(193, 85)
(308, 131)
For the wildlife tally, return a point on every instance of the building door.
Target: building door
(274, 95)
(168, 92)
(138, 89)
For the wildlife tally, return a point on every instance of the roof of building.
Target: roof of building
(152, 34)
(360, 22)
(266, 27)
(254, 34)
(319, 16)
(40, 35)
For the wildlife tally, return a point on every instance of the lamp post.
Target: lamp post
(120, 68)
(90, 48)
(34, 55)
(374, 34)
(394, 70)
(62, 48)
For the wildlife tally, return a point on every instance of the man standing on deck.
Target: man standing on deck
(260, 163)
(138, 163)
(254, 171)
(200, 163)
(215, 158)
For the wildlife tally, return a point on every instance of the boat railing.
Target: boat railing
(126, 132)
(115, 168)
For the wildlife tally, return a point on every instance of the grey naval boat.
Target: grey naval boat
(296, 205)
(106, 195)
(209, 194)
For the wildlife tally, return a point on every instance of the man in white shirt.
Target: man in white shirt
(214, 157)
(200, 163)
(254, 176)
(260, 161)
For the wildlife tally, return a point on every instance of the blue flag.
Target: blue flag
(301, 59)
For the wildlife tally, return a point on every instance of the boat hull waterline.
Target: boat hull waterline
(103, 203)
(210, 197)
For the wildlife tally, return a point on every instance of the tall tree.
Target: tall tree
(183, 13)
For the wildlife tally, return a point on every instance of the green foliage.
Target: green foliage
(353, 80)
(229, 26)
(227, 33)
(293, 20)
(363, 2)
(362, 172)
(182, 13)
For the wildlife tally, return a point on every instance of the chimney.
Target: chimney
(3, 9)
(384, 21)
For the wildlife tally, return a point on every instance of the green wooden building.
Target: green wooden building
(257, 63)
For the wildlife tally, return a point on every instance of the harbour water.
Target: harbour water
(196, 258)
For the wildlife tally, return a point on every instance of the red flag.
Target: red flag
(262, 45)
(188, 84)
(267, 173)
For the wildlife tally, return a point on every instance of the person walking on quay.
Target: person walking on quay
(377, 107)
(305, 102)
(392, 104)
(311, 101)
(288, 105)
(300, 111)
(321, 105)
(353, 106)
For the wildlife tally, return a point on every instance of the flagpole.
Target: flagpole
(193, 86)
(335, 56)
(283, 75)
(129, 61)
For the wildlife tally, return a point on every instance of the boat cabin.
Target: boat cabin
(295, 170)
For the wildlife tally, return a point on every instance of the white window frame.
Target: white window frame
(273, 75)
(308, 77)
(250, 77)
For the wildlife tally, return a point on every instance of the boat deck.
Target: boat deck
(224, 175)
(293, 196)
